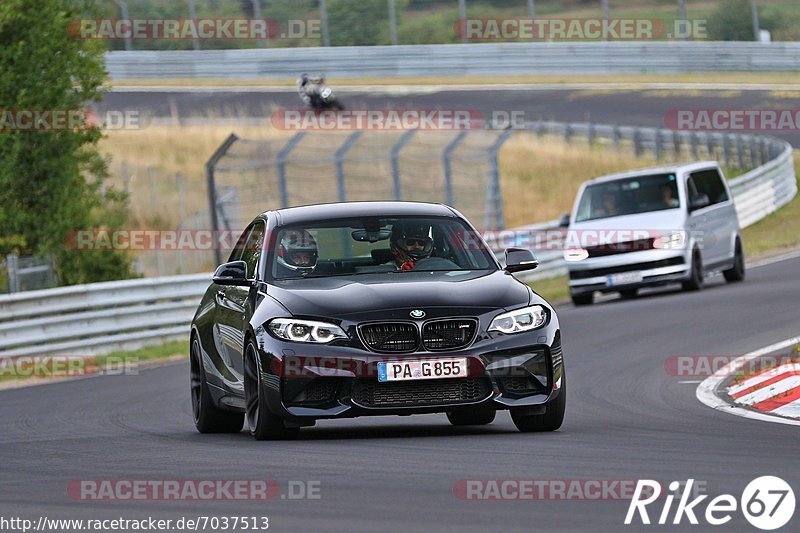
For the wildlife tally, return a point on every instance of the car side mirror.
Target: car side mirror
(563, 222)
(699, 203)
(233, 273)
(519, 259)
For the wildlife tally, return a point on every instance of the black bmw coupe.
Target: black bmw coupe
(371, 308)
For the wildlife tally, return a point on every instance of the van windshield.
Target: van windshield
(629, 196)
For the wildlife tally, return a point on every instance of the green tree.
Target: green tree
(731, 21)
(51, 181)
(358, 22)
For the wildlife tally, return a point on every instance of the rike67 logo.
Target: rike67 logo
(767, 503)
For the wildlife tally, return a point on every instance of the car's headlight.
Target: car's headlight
(575, 254)
(524, 319)
(296, 330)
(670, 241)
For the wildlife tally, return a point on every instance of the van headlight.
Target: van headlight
(670, 241)
(296, 330)
(525, 319)
(575, 254)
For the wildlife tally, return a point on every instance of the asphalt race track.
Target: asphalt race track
(631, 107)
(627, 419)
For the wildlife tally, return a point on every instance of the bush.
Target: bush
(731, 21)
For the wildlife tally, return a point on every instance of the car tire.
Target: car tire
(552, 418)
(478, 417)
(736, 272)
(629, 294)
(262, 424)
(582, 299)
(695, 282)
(208, 418)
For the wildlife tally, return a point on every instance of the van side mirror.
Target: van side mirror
(563, 222)
(233, 273)
(519, 259)
(699, 203)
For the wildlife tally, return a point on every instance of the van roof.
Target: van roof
(669, 169)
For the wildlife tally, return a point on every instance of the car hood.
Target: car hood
(366, 293)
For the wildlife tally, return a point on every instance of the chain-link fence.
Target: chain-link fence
(458, 168)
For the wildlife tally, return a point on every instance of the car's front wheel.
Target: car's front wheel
(695, 281)
(478, 417)
(736, 272)
(582, 299)
(263, 425)
(208, 418)
(550, 420)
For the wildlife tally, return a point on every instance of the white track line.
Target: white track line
(706, 390)
(764, 376)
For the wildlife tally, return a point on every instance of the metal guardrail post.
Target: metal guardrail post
(123, 7)
(567, 133)
(494, 199)
(283, 155)
(726, 149)
(448, 171)
(590, 134)
(693, 142)
(395, 155)
(13, 280)
(753, 152)
(212, 191)
(637, 142)
(657, 144)
(740, 150)
(617, 136)
(323, 15)
(340, 155)
(676, 143)
(710, 146)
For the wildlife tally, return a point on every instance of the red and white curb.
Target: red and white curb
(772, 395)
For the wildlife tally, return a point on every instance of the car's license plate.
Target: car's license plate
(426, 369)
(624, 278)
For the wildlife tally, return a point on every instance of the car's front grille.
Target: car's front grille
(450, 334)
(591, 273)
(421, 393)
(392, 337)
(620, 247)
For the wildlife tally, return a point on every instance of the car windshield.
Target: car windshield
(377, 245)
(640, 194)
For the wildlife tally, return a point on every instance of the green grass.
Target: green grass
(115, 362)
(779, 231)
(554, 290)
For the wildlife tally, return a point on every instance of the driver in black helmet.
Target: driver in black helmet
(297, 253)
(410, 243)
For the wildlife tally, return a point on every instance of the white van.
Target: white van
(649, 227)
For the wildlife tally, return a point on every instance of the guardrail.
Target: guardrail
(602, 57)
(102, 317)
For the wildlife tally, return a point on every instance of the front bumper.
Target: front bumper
(657, 267)
(504, 371)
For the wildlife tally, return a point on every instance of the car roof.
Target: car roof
(310, 213)
(669, 169)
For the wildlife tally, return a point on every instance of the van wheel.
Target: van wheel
(736, 272)
(695, 282)
(582, 299)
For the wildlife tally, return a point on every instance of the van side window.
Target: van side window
(709, 182)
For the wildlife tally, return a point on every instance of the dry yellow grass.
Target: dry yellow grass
(540, 175)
